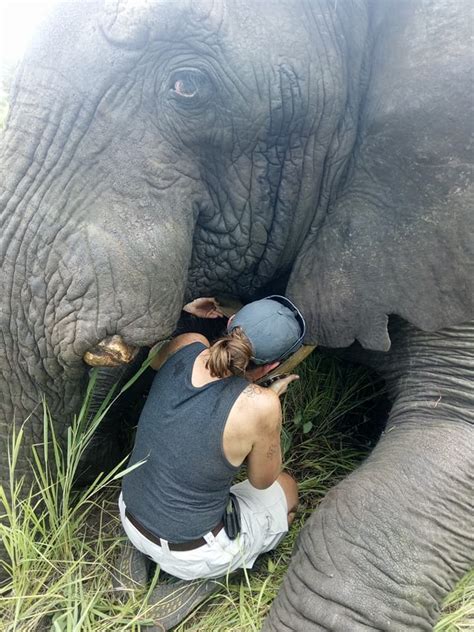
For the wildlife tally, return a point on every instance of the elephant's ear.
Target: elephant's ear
(398, 238)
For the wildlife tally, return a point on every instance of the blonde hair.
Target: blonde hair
(230, 354)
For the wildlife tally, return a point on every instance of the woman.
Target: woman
(204, 418)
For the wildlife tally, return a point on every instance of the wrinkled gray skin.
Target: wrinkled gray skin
(160, 151)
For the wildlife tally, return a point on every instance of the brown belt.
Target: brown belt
(173, 546)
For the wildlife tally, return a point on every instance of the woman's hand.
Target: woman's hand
(280, 385)
(204, 307)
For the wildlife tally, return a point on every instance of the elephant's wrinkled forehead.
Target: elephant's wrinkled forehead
(113, 33)
(136, 23)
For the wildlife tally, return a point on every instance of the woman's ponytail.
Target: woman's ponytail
(229, 354)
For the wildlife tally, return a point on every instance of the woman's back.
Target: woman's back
(181, 489)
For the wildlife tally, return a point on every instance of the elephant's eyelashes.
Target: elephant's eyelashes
(190, 86)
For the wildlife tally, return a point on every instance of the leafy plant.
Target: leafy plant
(62, 541)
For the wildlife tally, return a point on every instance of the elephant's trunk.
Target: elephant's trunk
(403, 522)
(111, 441)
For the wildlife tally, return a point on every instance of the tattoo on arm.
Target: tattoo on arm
(272, 450)
(252, 389)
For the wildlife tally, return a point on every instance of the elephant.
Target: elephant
(156, 151)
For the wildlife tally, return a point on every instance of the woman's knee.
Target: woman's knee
(290, 489)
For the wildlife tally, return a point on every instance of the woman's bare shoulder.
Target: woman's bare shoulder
(186, 339)
(255, 414)
(264, 396)
(174, 345)
(262, 405)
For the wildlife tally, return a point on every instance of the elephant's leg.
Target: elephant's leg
(390, 541)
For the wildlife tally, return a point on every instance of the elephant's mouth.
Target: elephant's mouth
(111, 352)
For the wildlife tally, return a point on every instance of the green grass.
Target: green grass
(63, 542)
(458, 607)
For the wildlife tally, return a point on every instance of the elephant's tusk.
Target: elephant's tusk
(292, 362)
(289, 364)
(111, 351)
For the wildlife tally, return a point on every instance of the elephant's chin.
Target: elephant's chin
(111, 352)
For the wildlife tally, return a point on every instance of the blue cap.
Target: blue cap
(274, 327)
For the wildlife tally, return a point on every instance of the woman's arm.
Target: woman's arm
(264, 461)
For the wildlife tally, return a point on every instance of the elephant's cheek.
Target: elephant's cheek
(121, 288)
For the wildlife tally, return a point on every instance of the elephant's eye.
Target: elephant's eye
(185, 88)
(190, 85)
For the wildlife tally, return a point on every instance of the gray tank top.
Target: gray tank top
(181, 490)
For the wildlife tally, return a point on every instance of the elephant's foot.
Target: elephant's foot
(173, 602)
(131, 572)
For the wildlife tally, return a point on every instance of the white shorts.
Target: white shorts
(264, 523)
